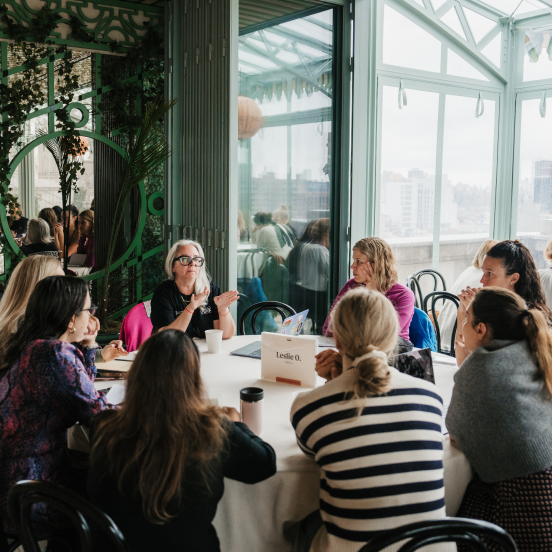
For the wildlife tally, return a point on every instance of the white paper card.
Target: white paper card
(77, 259)
(289, 359)
(128, 358)
(116, 394)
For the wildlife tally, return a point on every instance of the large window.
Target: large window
(286, 74)
(436, 152)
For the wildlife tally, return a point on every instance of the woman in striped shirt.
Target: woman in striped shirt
(374, 432)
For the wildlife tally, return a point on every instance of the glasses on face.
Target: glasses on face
(187, 261)
(91, 311)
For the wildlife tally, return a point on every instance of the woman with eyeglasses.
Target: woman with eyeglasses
(47, 377)
(189, 301)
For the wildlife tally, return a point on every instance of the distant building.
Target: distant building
(542, 181)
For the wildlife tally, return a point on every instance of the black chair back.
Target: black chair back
(257, 308)
(423, 533)
(414, 283)
(24, 494)
(432, 298)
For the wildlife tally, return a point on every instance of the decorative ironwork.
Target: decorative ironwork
(105, 23)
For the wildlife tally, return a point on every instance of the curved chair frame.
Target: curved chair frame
(257, 308)
(24, 494)
(413, 282)
(435, 296)
(458, 530)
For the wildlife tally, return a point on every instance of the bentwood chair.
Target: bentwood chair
(444, 296)
(414, 283)
(257, 308)
(24, 494)
(473, 534)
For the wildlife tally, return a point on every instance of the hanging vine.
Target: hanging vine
(24, 92)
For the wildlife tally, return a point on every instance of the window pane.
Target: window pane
(536, 61)
(534, 217)
(467, 183)
(423, 50)
(284, 173)
(408, 157)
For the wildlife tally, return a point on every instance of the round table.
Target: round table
(251, 518)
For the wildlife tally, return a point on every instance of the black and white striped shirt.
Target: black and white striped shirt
(379, 470)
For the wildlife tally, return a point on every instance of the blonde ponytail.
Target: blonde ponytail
(364, 323)
(540, 341)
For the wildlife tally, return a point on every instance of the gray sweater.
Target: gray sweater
(500, 414)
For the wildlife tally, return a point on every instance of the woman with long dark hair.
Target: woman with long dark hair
(507, 265)
(47, 377)
(500, 416)
(158, 463)
(70, 221)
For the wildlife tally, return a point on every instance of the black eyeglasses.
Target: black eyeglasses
(187, 261)
(92, 310)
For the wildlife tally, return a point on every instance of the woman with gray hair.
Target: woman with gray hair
(39, 240)
(189, 301)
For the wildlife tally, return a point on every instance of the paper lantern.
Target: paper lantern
(250, 118)
(80, 150)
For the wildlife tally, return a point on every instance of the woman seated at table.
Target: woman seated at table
(158, 463)
(47, 385)
(86, 239)
(70, 223)
(374, 268)
(500, 416)
(470, 277)
(375, 433)
(507, 265)
(39, 241)
(22, 283)
(49, 215)
(189, 301)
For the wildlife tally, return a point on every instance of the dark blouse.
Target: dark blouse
(167, 304)
(40, 249)
(48, 390)
(247, 458)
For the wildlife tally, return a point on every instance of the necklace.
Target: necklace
(184, 302)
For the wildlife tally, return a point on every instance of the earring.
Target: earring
(72, 331)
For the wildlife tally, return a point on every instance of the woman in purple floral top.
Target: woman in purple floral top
(46, 386)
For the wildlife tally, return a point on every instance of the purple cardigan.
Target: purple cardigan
(401, 297)
(87, 247)
(48, 390)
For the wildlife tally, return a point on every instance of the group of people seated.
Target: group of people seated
(45, 235)
(158, 461)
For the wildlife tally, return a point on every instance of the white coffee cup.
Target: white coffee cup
(214, 340)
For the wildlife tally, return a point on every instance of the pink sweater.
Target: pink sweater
(401, 297)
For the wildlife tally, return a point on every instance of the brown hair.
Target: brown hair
(165, 428)
(365, 321)
(321, 230)
(49, 215)
(381, 255)
(506, 315)
(482, 251)
(89, 216)
(22, 282)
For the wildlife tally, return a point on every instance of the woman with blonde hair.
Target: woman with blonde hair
(39, 241)
(500, 415)
(375, 433)
(158, 463)
(189, 301)
(470, 277)
(14, 302)
(546, 274)
(374, 268)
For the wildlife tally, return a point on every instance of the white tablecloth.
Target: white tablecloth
(262, 517)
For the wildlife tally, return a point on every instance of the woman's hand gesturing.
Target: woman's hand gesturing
(197, 300)
(466, 296)
(329, 364)
(224, 300)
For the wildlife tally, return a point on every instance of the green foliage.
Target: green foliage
(146, 152)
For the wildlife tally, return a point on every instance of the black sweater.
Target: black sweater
(247, 458)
